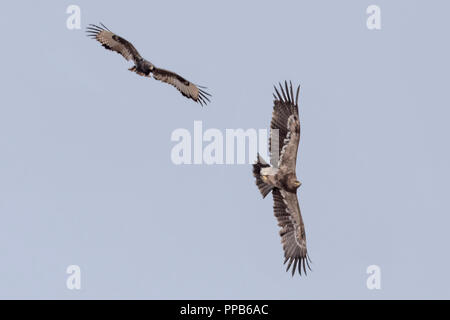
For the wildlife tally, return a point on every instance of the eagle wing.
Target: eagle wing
(113, 42)
(292, 232)
(285, 124)
(187, 88)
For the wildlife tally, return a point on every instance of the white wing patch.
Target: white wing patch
(286, 140)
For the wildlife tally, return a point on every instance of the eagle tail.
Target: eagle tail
(263, 187)
(134, 69)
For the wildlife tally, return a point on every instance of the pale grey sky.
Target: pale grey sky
(85, 170)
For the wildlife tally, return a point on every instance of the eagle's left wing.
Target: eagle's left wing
(187, 88)
(113, 42)
(293, 237)
(285, 122)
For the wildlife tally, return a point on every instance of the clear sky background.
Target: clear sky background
(85, 170)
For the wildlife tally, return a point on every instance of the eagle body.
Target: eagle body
(143, 67)
(279, 177)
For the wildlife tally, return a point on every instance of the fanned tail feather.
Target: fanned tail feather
(263, 187)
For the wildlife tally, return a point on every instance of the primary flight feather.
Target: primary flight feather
(280, 178)
(145, 68)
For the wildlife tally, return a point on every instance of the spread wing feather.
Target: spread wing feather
(113, 42)
(292, 232)
(187, 88)
(286, 125)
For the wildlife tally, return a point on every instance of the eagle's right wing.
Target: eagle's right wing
(285, 122)
(186, 88)
(113, 42)
(292, 232)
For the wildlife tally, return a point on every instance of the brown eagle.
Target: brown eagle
(280, 177)
(142, 67)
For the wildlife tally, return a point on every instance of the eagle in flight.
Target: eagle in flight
(145, 68)
(280, 178)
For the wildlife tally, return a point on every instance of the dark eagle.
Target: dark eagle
(280, 178)
(142, 67)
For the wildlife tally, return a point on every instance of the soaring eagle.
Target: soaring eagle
(280, 178)
(142, 67)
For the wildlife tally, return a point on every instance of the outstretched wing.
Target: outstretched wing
(187, 89)
(292, 232)
(285, 124)
(113, 42)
